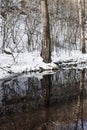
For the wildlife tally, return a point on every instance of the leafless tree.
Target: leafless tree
(82, 24)
(46, 40)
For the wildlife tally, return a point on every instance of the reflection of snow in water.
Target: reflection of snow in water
(29, 88)
(1, 94)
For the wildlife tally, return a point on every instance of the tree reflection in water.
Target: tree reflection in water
(46, 86)
(54, 102)
(79, 110)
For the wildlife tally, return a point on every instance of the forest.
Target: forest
(41, 32)
(25, 17)
(43, 65)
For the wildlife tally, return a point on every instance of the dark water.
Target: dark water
(55, 102)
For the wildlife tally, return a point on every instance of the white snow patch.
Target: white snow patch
(24, 62)
(74, 55)
(32, 61)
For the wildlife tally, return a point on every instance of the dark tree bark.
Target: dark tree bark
(82, 24)
(46, 41)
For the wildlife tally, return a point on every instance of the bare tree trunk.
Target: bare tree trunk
(82, 24)
(46, 41)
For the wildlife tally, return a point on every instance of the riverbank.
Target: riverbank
(32, 62)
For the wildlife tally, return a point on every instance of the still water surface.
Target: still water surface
(55, 102)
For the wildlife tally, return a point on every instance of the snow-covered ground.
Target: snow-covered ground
(25, 62)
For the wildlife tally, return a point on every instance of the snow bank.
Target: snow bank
(25, 62)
